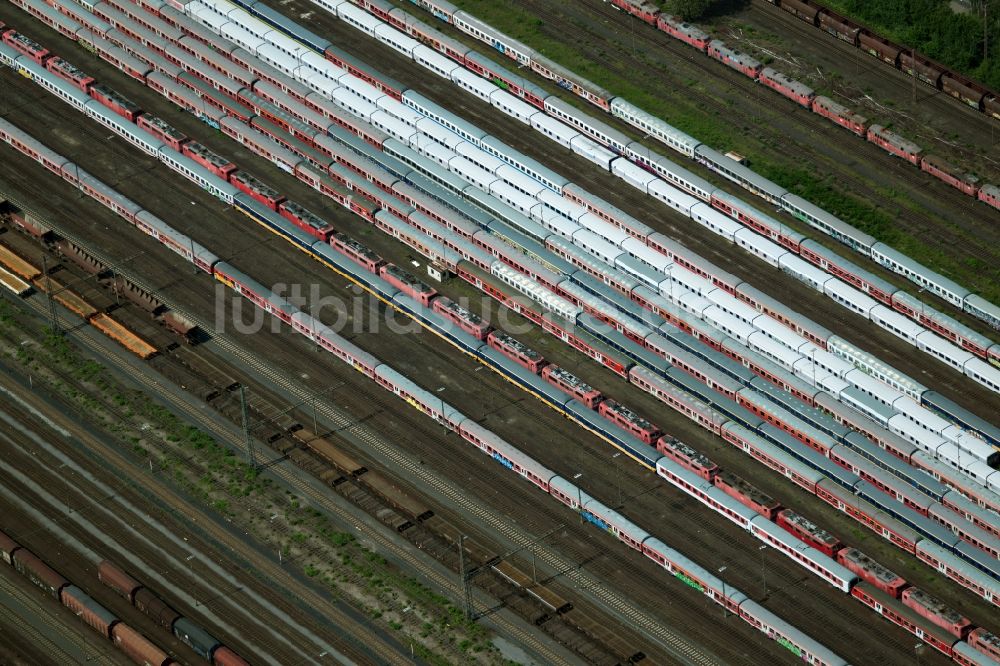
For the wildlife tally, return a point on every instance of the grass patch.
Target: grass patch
(218, 477)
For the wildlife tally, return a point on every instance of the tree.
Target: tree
(689, 10)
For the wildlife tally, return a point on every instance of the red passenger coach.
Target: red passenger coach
(257, 189)
(937, 612)
(379, 9)
(747, 494)
(365, 72)
(71, 73)
(761, 451)
(686, 457)
(566, 381)
(513, 84)
(757, 220)
(865, 567)
(516, 351)
(408, 284)
(625, 418)
(215, 163)
(567, 331)
(809, 532)
(26, 46)
(365, 209)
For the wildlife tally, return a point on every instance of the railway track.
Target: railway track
(764, 109)
(42, 641)
(408, 464)
(808, 302)
(561, 565)
(276, 603)
(902, 82)
(102, 516)
(207, 421)
(620, 602)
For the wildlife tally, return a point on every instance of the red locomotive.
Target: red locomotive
(26, 46)
(686, 457)
(306, 220)
(408, 284)
(865, 567)
(809, 532)
(516, 351)
(937, 612)
(215, 163)
(747, 494)
(628, 420)
(570, 383)
(257, 189)
(118, 103)
(468, 321)
(356, 252)
(70, 73)
(162, 130)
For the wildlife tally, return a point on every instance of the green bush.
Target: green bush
(932, 28)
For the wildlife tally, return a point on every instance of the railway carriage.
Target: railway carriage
(963, 89)
(741, 62)
(902, 616)
(871, 571)
(678, 29)
(840, 27)
(916, 65)
(25, 46)
(511, 48)
(806, 556)
(948, 173)
(642, 9)
(895, 144)
(785, 85)
(879, 47)
(840, 114)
